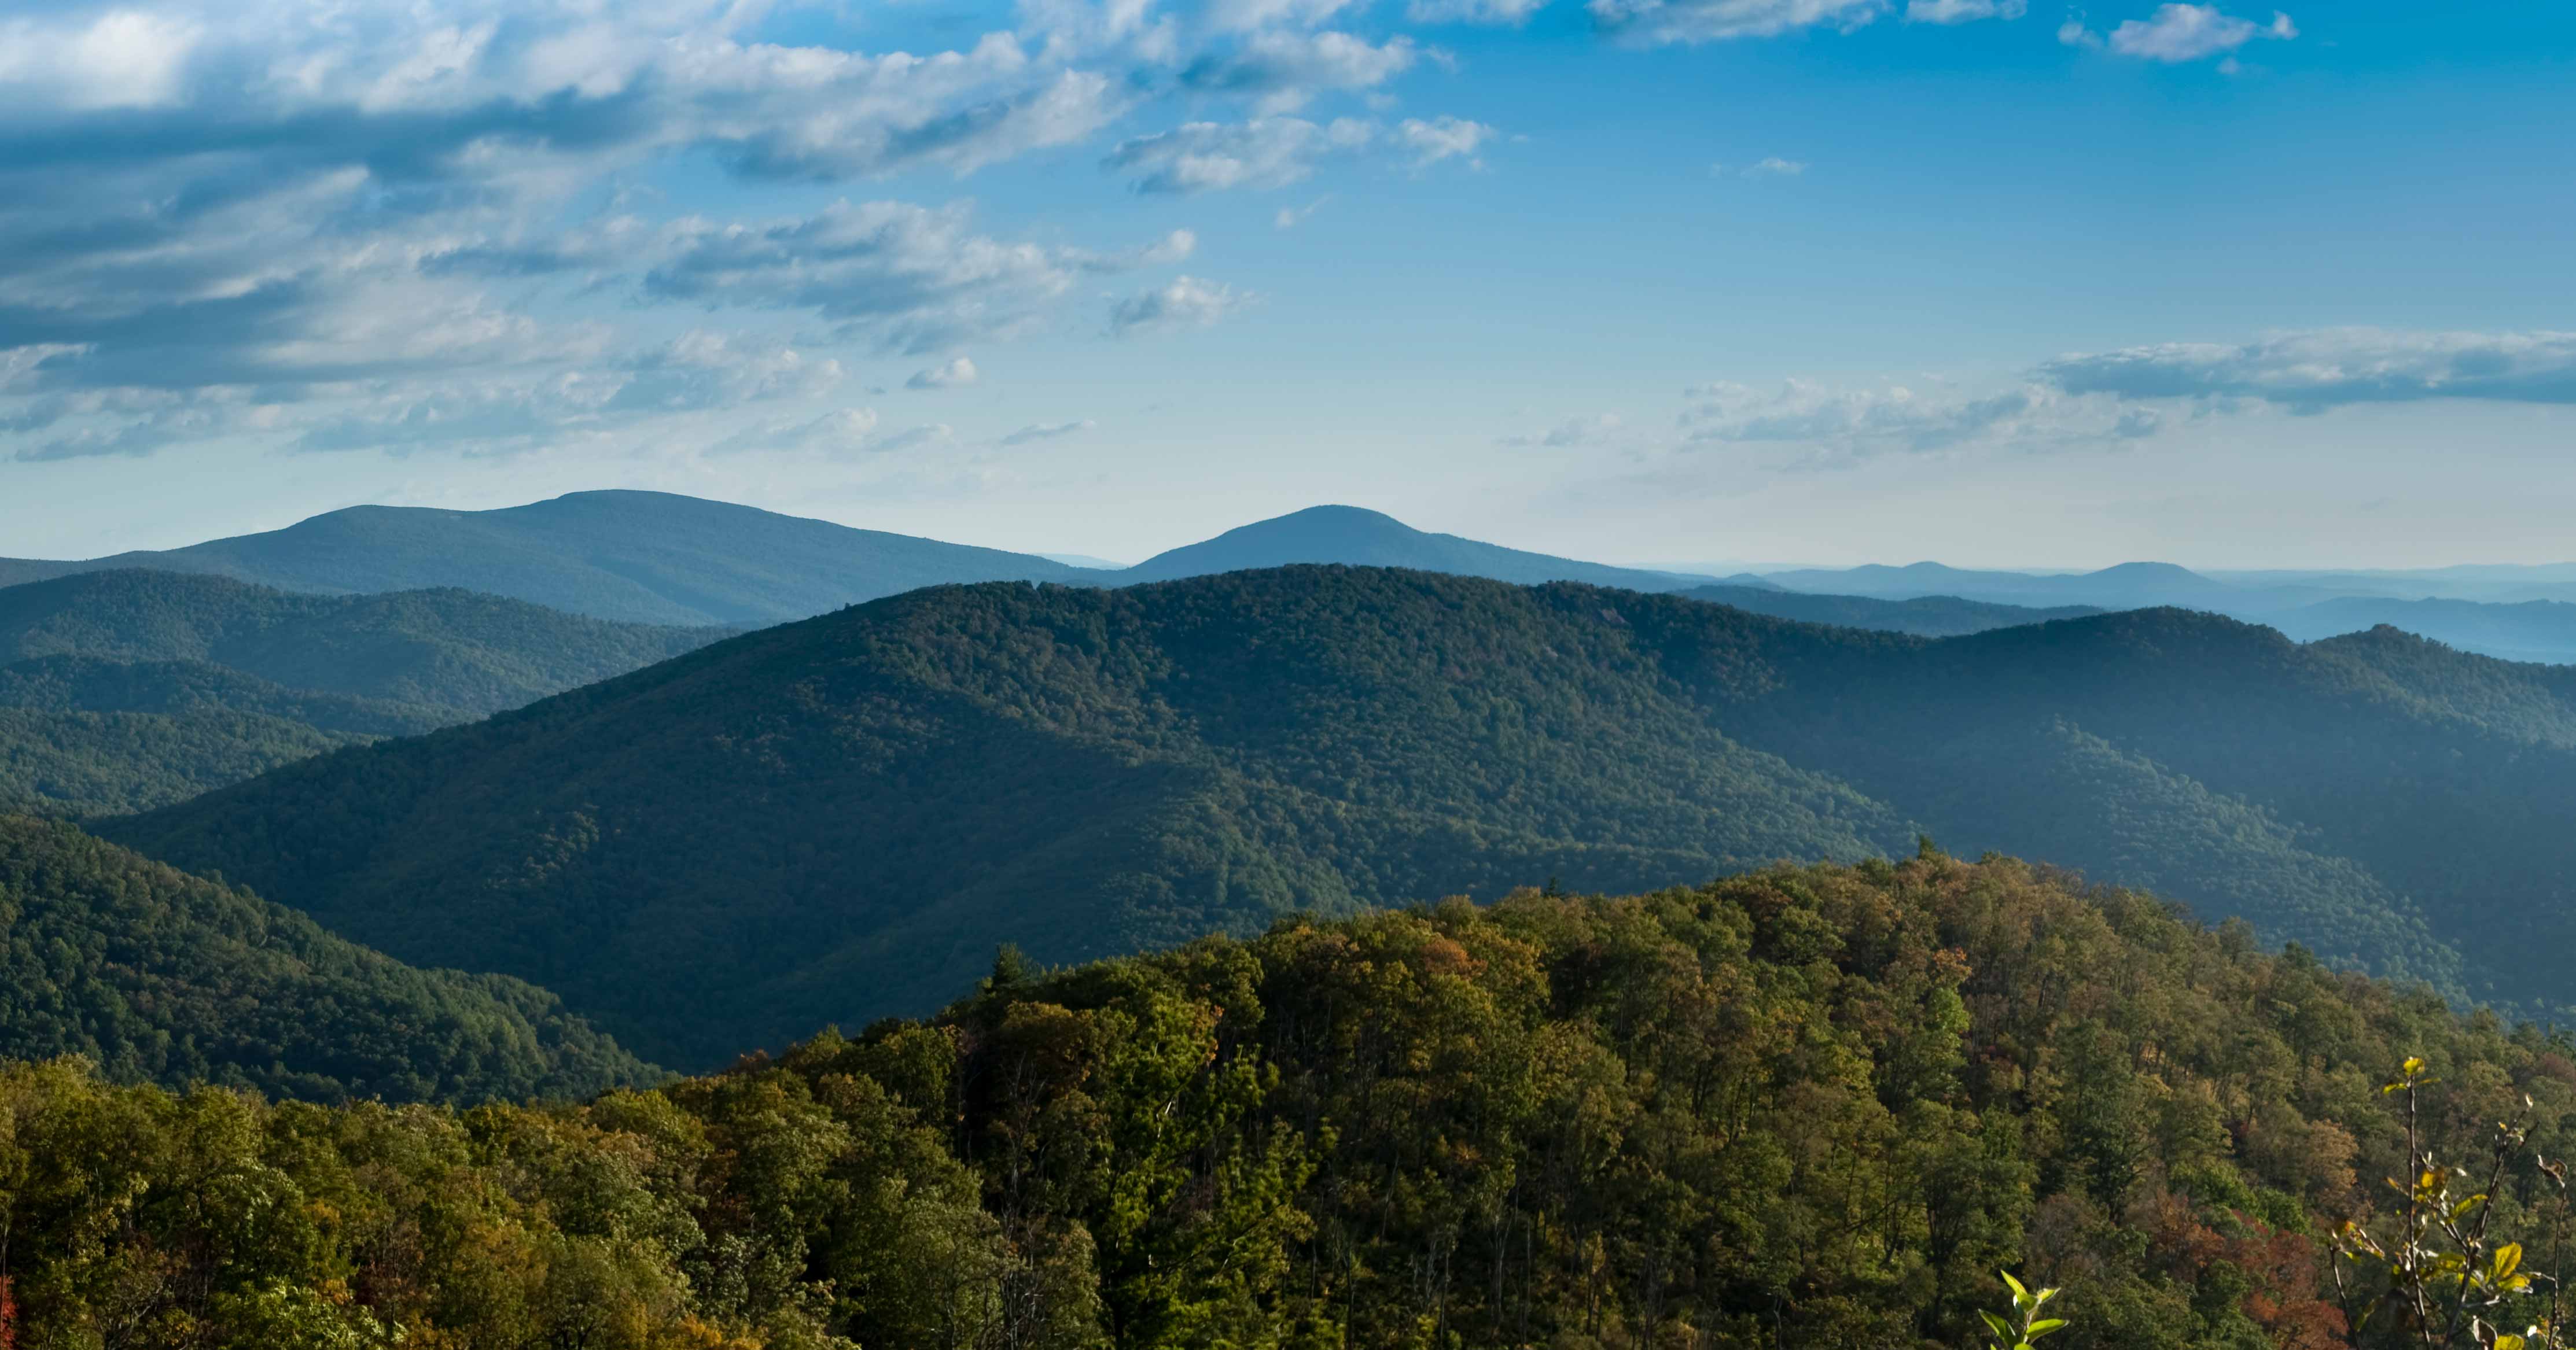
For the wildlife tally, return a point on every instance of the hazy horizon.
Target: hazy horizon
(1718, 568)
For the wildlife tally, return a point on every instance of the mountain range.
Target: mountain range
(639, 557)
(124, 689)
(664, 559)
(831, 820)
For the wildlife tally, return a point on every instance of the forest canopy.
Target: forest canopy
(827, 821)
(1812, 1106)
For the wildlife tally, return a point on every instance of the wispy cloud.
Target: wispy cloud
(2179, 33)
(1047, 431)
(1963, 11)
(1187, 302)
(951, 374)
(2314, 370)
(1666, 22)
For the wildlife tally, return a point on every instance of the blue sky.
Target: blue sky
(1647, 280)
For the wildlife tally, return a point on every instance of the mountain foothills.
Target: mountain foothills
(1813, 1106)
(124, 690)
(154, 975)
(828, 821)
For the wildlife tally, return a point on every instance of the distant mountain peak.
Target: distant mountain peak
(1360, 537)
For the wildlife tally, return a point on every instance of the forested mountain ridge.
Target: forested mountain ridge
(1924, 616)
(1815, 1106)
(1090, 771)
(158, 976)
(638, 557)
(125, 690)
(824, 821)
(452, 650)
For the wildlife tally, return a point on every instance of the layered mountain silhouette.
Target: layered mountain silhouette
(645, 557)
(126, 689)
(666, 559)
(1355, 537)
(1927, 616)
(834, 819)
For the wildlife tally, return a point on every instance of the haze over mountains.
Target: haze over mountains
(641, 557)
(122, 690)
(664, 559)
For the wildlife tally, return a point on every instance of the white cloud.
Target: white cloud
(1443, 138)
(1047, 431)
(1253, 15)
(1572, 433)
(1776, 167)
(954, 374)
(1963, 11)
(1290, 217)
(1513, 13)
(840, 433)
(1273, 152)
(2313, 370)
(2180, 33)
(910, 438)
(1211, 156)
(906, 277)
(1187, 302)
(1831, 427)
(1282, 71)
(1663, 22)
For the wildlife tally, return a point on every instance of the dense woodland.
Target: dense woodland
(825, 821)
(1923, 616)
(1812, 1106)
(154, 975)
(125, 690)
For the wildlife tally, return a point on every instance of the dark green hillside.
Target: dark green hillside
(831, 819)
(445, 649)
(2443, 776)
(155, 975)
(835, 819)
(639, 557)
(96, 764)
(177, 688)
(1811, 1107)
(121, 691)
(1925, 616)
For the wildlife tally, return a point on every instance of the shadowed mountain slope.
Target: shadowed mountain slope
(125, 690)
(157, 975)
(1924, 616)
(832, 819)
